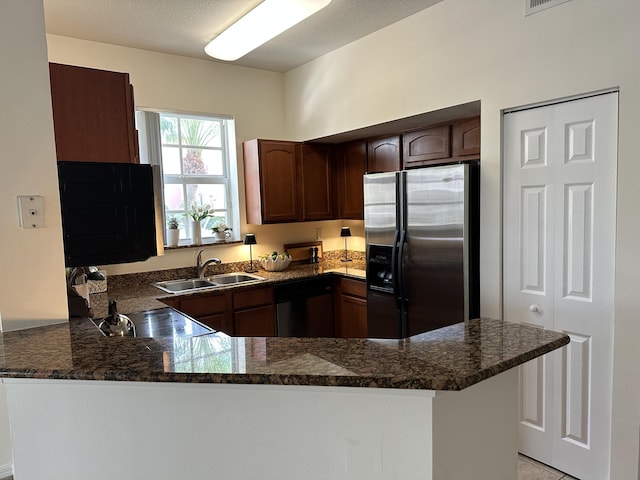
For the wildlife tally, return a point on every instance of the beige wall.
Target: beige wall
(32, 286)
(463, 50)
(254, 98)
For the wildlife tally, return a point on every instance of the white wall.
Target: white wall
(464, 50)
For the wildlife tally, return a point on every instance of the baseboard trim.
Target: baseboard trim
(6, 470)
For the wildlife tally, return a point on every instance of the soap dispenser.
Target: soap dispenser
(117, 325)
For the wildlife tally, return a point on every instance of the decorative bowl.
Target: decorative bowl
(275, 265)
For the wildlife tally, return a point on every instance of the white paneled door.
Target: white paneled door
(559, 250)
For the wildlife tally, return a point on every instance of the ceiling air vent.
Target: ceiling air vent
(534, 6)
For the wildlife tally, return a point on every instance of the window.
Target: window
(198, 167)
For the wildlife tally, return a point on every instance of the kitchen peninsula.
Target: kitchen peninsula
(440, 405)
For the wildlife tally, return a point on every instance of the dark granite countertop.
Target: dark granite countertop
(135, 293)
(451, 358)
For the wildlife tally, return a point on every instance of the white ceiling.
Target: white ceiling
(184, 27)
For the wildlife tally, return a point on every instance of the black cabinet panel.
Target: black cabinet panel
(108, 213)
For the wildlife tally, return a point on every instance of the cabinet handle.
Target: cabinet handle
(535, 309)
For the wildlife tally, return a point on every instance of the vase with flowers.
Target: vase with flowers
(197, 213)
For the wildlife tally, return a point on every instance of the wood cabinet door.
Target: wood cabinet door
(384, 154)
(93, 115)
(253, 297)
(279, 181)
(270, 171)
(351, 165)
(255, 322)
(217, 322)
(203, 305)
(212, 310)
(352, 318)
(320, 316)
(426, 146)
(466, 138)
(316, 189)
(350, 308)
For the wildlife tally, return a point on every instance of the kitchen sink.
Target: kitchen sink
(195, 284)
(175, 286)
(231, 278)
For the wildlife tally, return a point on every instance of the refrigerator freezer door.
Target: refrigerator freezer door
(380, 208)
(433, 264)
(381, 214)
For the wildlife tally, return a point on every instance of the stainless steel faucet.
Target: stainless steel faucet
(201, 267)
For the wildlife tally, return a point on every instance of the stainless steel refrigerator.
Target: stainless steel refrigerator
(422, 234)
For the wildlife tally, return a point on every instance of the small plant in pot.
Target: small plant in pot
(173, 231)
(221, 230)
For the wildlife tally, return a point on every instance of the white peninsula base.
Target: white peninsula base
(68, 430)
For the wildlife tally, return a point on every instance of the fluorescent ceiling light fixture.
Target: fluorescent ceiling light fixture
(267, 20)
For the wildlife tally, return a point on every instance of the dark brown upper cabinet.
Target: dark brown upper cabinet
(287, 181)
(293, 181)
(350, 166)
(93, 115)
(384, 154)
(466, 138)
(426, 145)
(270, 177)
(316, 178)
(444, 143)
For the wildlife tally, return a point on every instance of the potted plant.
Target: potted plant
(221, 230)
(198, 213)
(173, 231)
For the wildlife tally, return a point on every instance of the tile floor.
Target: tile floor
(528, 469)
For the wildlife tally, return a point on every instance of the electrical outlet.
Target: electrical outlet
(319, 233)
(31, 211)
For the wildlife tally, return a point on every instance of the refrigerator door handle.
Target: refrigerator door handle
(394, 268)
(401, 287)
(402, 223)
(394, 251)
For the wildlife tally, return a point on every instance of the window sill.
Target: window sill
(205, 243)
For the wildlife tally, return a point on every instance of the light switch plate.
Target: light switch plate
(31, 211)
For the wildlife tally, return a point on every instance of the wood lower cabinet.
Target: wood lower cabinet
(384, 154)
(320, 316)
(210, 309)
(350, 299)
(93, 115)
(350, 166)
(249, 312)
(254, 313)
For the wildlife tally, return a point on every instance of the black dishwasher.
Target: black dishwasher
(304, 308)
